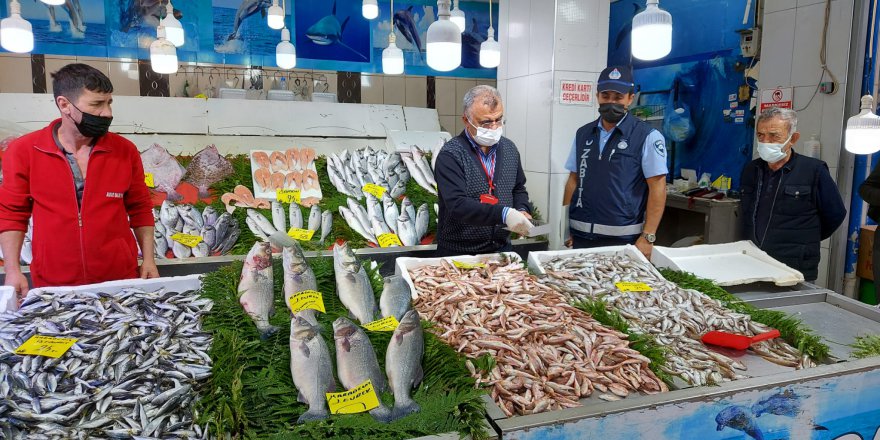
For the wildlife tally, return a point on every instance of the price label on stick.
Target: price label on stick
(288, 195)
(462, 265)
(388, 240)
(301, 234)
(148, 179)
(361, 398)
(629, 286)
(382, 325)
(48, 346)
(374, 189)
(187, 239)
(307, 299)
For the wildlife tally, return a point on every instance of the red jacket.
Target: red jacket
(72, 246)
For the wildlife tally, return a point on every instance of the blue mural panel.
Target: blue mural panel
(75, 28)
(332, 30)
(837, 408)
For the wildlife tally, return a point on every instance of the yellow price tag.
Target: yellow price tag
(187, 239)
(288, 195)
(388, 240)
(301, 234)
(359, 399)
(629, 286)
(722, 183)
(307, 299)
(374, 189)
(48, 346)
(148, 179)
(382, 325)
(462, 265)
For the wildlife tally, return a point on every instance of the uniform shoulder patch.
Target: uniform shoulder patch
(660, 147)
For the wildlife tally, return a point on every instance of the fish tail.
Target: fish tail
(313, 414)
(382, 414)
(203, 193)
(173, 195)
(403, 409)
(266, 331)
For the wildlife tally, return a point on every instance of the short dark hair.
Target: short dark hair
(70, 80)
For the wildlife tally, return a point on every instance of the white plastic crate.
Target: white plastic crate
(8, 302)
(728, 264)
(179, 284)
(403, 265)
(537, 259)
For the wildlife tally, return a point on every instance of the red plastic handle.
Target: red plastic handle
(765, 336)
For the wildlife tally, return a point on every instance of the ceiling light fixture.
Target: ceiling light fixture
(457, 17)
(275, 16)
(490, 50)
(444, 41)
(163, 54)
(652, 33)
(370, 9)
(392, 56)
(173, 28)
(16, 33)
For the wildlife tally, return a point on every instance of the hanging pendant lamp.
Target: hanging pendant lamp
(444, 41)
(370, 9)
(163, 54)
(173, 28)
(275, 16)
(457, 16)
(490, 50)
(16, 33)
(652, 33)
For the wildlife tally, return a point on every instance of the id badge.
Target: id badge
(488, 199)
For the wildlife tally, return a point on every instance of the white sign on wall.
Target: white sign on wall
(778, 97)
(576, 92)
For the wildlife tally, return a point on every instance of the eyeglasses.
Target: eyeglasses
(490, 124)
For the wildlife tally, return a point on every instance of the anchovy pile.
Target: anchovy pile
(410, 224)
(420, 169)
(677, 318)
(135, 369)
(350, 171)
(219, 232)
(548, 354)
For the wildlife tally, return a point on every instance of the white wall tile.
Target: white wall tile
(16, 76)
(515, 111)
(805, 68)
(567, 119)
(832, 128)
(538, 186)
(461, 87)
(541, 33)
(581, 40)
(416, 91)
(539, 116)
(777, 5)
(445, 97)
(833, 171)
(502, 88)
(801, 3)
(394, 89)
(518, 38)
(839, 30)
(555, 212)
(372, 89)
(776, 49)
(447, 124)
(809, 119)
(501, 30)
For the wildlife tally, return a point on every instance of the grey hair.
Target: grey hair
(489, 95)
(786, 115)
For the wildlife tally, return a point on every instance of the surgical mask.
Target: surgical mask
(612, 112)
(772, 153)
(487, 136)
(92, 126)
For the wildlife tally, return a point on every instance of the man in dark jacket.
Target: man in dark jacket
(481, 182)
(789, 201)
(870, 193)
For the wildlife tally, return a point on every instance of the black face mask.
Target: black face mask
(612, 112)
(92, 126)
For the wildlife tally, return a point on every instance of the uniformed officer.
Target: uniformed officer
(616, 191)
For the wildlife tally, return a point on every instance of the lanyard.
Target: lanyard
(489, 177)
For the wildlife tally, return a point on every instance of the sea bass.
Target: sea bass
(353, 284)
(256, 286)
(166, 172)
(423, 216)
(356, 362)
(326, 224)
(403, 363)
(207, 168)
(298, 275)
(311, 368)
(396, 297)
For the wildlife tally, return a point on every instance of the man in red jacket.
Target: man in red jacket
(84, 188)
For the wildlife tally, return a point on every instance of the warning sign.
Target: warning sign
(575, 92)
(778, 97)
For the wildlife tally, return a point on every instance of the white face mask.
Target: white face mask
(487, 136)
(773, 153)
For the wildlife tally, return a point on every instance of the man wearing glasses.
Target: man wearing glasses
(616, 191)
(481, 182)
